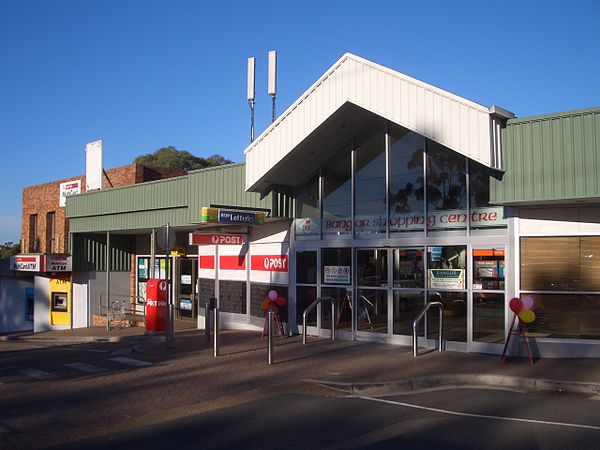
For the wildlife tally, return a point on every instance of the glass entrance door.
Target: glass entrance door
(371, 301)
(187, 298)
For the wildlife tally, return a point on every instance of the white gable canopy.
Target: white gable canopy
(352, 93)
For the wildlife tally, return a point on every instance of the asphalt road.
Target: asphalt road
(115, 395)
(453, 419)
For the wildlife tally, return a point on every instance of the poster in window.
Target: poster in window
(447, 278)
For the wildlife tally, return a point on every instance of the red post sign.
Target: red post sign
(156, 304)
(216, 239)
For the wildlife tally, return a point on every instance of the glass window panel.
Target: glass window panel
(407, 206)
(371, 267)
(488, 317)
(446, 189)
(565, 316)
(455, 316)
(408, 268)
(482, 215)
(337, 189)
(446, 267)
(488, 268)
(336, 265)
(305, 295)
(371, 311)
(406, 306)
(343, 301)
(307, 210)
(306, 267)
(370, 181)
(589, 261)
(550, 264)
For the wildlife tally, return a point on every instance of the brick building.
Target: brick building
(44, 228)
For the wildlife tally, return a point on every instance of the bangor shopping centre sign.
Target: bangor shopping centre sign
(478, 217)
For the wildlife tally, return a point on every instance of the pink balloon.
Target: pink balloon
(515, 305)
(273, 295)
(527, 303)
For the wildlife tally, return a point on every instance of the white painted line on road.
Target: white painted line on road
(85, 350)
(481, 416)
(129, 361)
(85, 367)
(37, 374)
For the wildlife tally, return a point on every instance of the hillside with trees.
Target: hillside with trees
(171, 158)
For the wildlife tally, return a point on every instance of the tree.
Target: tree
(9, 249)
(171, 158)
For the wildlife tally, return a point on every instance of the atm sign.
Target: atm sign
(270, 263)
(216, 239)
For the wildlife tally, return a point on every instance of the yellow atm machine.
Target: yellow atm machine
(60, 299)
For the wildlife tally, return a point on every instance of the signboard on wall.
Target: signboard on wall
(58, 263)
(336, 274)
(26, 263)
(269, 263)
(93, 165)
(67, 189)
(447, 278)
(216, 239)
(215, 215)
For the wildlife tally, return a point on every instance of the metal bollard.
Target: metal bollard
(170, 326)
(270, 335)
(216, 333)
(207, 321)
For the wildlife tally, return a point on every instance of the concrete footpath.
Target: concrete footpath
(355, 367)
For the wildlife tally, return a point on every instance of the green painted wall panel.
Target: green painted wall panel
(552, 158)
(138, 220)
(169, 193)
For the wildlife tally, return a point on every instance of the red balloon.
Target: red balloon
(515, 305)
(281, 301)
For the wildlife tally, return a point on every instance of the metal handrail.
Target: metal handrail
(420, 316)
(312, 306)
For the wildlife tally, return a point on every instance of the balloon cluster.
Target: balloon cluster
(522, 308)
(273, 301)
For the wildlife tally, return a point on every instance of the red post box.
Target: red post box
(156, 304)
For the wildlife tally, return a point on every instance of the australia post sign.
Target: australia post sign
(269, 263)
(216, 239)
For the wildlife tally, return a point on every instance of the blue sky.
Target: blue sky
(146, 74)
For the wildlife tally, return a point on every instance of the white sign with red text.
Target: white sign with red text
(67, 189)
(26, 263)
(216, 239)
(458, 218)
(336, 274)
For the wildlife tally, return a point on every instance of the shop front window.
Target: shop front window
(446, 189)
(569, 264)
(337, 196)
(307, 210)
(482, 215)
(370, 213)
(408, 268)
(407, 206)
(406, 306)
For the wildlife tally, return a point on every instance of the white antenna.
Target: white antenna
(272, 78)
(250, 93)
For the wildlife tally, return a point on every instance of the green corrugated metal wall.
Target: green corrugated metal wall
(174, 200)
(551, 158)
(222, 186)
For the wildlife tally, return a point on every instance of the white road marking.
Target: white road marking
(85, 367)
(37, 374)
(129, 361)
(481, 416)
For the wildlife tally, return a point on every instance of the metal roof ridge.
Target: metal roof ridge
(556, 115)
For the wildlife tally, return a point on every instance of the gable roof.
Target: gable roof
(459, 124)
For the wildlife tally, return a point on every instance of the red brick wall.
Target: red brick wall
(44, 198)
